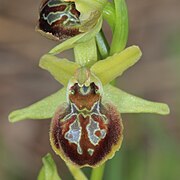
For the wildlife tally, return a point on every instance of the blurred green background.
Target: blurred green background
(151, 146)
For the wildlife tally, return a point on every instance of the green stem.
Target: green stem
(76, 172)
(102, 45)
(103, 48)
(120, 32)
(109, 14)
(97, 173)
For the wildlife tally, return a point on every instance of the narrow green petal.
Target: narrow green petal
(113, 66)
(127, 103)
(49, 169)
(83, 37)
(61, 69)
(42, 109)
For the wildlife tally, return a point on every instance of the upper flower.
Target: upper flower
(63, 19)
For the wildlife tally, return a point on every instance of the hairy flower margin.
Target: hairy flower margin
(89, 47)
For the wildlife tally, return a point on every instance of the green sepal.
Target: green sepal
(49, 169)
(42, 109)
(84, 6)
(81, 38)
(61, 69)
(127, 103)
(113, 66)
(120, 31)
(88, 8)
(86, 53)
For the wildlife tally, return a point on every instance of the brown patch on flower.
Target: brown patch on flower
(86, 139)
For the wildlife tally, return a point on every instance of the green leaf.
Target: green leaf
(97, 173)
(113, 66)
(49, 169)
(61, 69)
(83, 37)
(120, 31)
(42, 109)
(127, 103)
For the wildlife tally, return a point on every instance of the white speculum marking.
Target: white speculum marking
(96, 111)
(55, 16)
(74, 135)
(73, 112)
(75, 129)
(92, 128)
(90, 151)
(54, 3)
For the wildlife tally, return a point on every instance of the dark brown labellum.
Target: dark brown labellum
(58, 20)
(86, 131)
